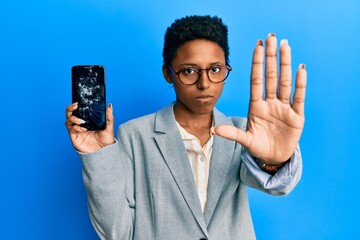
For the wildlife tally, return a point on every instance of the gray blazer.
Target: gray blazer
(142, 187)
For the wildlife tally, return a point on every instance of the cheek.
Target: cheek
(218, 89)
(183, 93)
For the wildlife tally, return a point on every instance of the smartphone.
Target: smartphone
(88, 89)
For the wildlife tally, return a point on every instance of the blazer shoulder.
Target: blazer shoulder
(162, 119)
(139, 123)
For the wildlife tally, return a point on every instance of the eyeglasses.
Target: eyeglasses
(191, 75)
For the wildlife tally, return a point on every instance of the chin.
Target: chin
(204, 110)
(196, 108)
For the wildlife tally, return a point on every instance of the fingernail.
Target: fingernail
(212, 131)
(302, 66)
(259, 42)
(283, 42)
(80, 121)
(271, 35)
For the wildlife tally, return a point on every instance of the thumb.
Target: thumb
(109, 118)
(232, 133)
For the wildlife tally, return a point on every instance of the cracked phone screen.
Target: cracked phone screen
(88, 89)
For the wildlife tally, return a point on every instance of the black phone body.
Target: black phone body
(88, 89)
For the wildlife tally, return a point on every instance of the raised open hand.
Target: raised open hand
(89, 141)
(275, 123)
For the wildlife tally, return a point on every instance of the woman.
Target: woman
(181, 173)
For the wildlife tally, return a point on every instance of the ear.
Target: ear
(167, 74)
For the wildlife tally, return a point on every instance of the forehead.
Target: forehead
(199, 52)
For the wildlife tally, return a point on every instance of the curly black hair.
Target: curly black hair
(191, 28)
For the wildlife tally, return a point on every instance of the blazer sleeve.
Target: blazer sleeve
(108, 179)
(282, 183)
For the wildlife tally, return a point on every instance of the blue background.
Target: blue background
(42, 194)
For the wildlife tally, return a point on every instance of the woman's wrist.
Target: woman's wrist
(269, 168)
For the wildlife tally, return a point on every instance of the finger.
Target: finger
(233, 133)
(299, 95)
(257, 74)
(70, 108)
(109, 118)
(68, 124)
(73, 127)
(73, 121)
(78, 129)
(285, 72)
(76, 120)
(271, 72)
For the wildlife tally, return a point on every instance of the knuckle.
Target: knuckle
(286, 65)
(298, 100)
(73, 120)
(256, 80)
(285, 83)
(270, 52)
(271, 74)
(285, 99)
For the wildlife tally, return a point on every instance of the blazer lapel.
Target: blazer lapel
(219, 164)
(172, 148)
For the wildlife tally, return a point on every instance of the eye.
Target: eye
(189, 71)
(215, 69)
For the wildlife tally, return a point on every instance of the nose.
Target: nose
(204, 81)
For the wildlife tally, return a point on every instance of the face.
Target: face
(201, 97)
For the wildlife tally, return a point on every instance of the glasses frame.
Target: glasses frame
(228, 67)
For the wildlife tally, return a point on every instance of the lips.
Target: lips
(204, 98)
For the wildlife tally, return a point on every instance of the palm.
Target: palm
(274, 130)
(89, 141)
(274, 123)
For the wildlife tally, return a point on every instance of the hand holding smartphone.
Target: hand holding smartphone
(88, 89)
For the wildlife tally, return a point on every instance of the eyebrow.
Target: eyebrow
(195, 65)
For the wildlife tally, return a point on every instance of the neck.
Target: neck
(189, 119)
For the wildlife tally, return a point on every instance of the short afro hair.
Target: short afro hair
(191, 28)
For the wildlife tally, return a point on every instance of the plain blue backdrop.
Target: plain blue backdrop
(42, 194)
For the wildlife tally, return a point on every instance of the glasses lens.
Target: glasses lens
(189, 75)
(218, 73)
